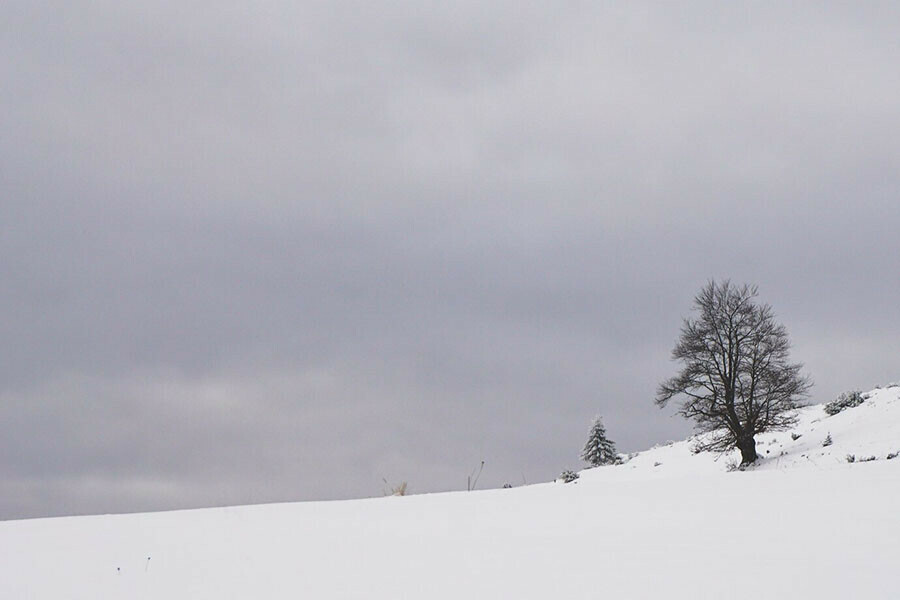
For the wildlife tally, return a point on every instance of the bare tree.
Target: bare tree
(736, 378)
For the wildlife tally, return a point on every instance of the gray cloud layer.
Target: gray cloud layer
(271, 252)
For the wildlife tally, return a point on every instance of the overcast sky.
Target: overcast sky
(265, 251)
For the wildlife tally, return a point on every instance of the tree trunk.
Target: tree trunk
(747, 445)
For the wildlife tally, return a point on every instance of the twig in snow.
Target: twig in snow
(470, 485)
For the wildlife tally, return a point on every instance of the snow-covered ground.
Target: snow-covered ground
(805, 523)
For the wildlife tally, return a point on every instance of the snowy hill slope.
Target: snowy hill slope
(869, 430)
(805, 523)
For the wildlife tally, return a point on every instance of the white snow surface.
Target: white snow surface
(805, 523)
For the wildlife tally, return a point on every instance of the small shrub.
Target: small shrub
(394, 490)
(867, 459)
(656, 464)
(892, 455)
(621, 459)
(568, 476)
(843, 402)
(507, 486)
(827, 441)
(851, 458)
(796, 436)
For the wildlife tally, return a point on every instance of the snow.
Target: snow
(805, 523)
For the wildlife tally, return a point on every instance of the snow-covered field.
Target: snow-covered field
(667, 524)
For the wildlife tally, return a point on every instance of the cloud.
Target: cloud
(281, 252)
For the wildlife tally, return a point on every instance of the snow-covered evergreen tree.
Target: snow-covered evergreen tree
(599, 449)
